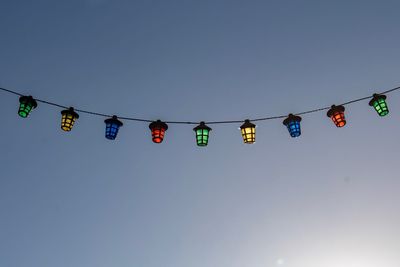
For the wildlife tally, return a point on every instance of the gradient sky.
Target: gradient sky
(327, 199)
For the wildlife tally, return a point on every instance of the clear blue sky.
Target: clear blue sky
(327, 199)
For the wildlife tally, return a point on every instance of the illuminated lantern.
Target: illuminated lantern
(292, 122)
(112, 127)
(379, 104)
(69, 116)
(202, 134)
(158, 129)
(248, 130)
(336, 113)
(26, 105)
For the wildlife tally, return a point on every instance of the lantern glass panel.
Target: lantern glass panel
(381, 107)
(249, 135)
(339, 119)
(24, 109)
(202, 137)
(158, 135)
(67, 121)
(112, 130)
(294, 128)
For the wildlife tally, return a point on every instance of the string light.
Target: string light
(379, 103)
(248, 130)
(26, 105)
(112, 127)
(336, 113)
(202, 134)
(292, 122)
(158, 129)
(194, 122)
(69, 116)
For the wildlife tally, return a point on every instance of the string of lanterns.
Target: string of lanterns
(158, 128)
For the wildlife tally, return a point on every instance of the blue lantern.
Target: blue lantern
(112, 127)
(292, 122)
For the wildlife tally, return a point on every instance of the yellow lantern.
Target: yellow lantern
(248, 130)
(69, 116)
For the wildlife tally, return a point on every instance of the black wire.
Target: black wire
(9, 91)
(50, 103)
(193, 122)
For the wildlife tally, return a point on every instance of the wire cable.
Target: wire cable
(195, 122)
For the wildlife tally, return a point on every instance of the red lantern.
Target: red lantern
(336, 113)
(158, 129)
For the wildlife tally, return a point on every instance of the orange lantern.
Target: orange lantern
(158, 129)
(336, 113)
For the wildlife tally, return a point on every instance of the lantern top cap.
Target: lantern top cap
(202, 126)
(28, 99)
(247, 124)
(114, 120)
(158, 124)
(335, 109)
(70, 111)
(376, 97)
(291, 118)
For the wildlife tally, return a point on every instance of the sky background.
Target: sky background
(327, 199)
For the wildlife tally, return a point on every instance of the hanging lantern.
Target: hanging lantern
(69, 116)
(248, 130)
(292, 122)
(336, 113)
(158, 129)
(26, 105)
(112, 127)
(202, 134)
(379, 103)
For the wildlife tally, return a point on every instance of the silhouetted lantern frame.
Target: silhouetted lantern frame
(292, 122)
(336, 113)
(202, 134)
(112, 127)
(248, 131)
(69, 116)
(26, 105)
(378, 102)
(158, 129)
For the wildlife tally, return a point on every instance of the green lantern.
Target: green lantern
(202, 134)
(26, 105)
(379, 103)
